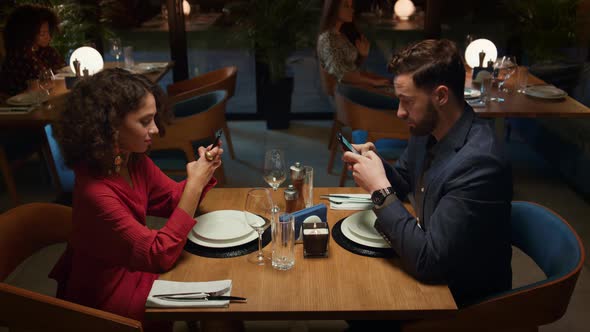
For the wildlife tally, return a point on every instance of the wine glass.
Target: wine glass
(46, 83)
(504, 67)
(116, 48)
(275, 170)
(258, 216)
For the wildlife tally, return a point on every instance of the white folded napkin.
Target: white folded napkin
(173, 287)
(351, 204)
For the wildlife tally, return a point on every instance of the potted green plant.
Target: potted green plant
(275, 29)
(546, 30)
(546, 27)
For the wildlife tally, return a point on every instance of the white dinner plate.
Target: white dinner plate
(545, 92)
(471, 93)
(222, 225)
(362, 224)
(147, 67)
(381, 243)
(27, 98)
(194, 237)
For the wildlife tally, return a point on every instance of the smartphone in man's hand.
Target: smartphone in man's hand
(346, 145)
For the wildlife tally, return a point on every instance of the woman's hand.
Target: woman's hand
(200, 171)
(362, 45)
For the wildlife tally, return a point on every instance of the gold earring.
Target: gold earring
(118, 161)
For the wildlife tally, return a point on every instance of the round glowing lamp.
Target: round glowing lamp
(404, 9)
(186, 8)
(472, 53)
(89, 59)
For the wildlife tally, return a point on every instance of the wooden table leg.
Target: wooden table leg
(8, 178)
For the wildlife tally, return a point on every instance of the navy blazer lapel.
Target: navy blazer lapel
(449, 145)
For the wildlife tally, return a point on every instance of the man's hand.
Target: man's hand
(364, 148)
(367, 169)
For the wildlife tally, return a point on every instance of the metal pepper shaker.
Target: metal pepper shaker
(297, 176)
(291, 199)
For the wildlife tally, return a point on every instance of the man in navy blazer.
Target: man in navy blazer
(453, 171)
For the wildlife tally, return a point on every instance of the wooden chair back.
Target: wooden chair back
(560, 254)
(379, 123)
(23, 231)
(221, 79)
(184, 130)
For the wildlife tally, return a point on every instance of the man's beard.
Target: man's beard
(428, 123)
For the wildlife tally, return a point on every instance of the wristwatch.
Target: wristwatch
(378, 196)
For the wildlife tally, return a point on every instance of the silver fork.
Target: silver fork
(214, 293)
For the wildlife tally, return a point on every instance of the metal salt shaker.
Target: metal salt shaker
(291, 198)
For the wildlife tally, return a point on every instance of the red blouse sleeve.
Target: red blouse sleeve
(130, 243)
(163, 192)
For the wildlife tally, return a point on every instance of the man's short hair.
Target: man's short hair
(431, 63)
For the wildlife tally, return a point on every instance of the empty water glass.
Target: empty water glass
(523, 77)
(307, 187)
(486, 89)
(128, 56)
(283, 242)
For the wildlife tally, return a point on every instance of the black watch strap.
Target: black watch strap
(378, 196)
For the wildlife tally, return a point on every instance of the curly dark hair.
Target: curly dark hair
(95, 109)
(23, 25)
(431, 63)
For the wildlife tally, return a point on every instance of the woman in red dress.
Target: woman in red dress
(112, 258)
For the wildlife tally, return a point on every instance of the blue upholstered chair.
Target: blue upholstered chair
(556, 248)
(63, 176)
(372, 118)
(195, 122)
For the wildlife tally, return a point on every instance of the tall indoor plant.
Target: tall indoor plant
(275, 29)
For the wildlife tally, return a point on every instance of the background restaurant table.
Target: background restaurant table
(342, 286)
(515, 105)
(13, 124)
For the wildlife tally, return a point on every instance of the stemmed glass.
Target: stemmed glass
(275, 170)
(46, 83)
(116, 48)
(258, 212)
(504, 67)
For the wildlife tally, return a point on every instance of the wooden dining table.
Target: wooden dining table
(14, 123)
(515, 104)
(342, 286)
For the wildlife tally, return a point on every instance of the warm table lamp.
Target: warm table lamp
(88, 58)
(186, 8)
(479, 54)
(404, 9)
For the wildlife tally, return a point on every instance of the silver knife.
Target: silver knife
(345, 196)
(204, 298)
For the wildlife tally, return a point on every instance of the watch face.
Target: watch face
(377, 197)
